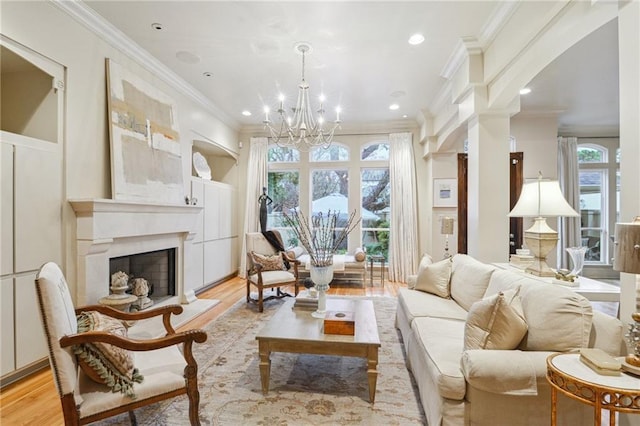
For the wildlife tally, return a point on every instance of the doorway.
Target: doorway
(515, 184)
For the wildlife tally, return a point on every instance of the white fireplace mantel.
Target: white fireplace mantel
(110, 228)
(100, 219)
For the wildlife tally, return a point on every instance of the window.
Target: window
(330, 191)
(376, 197)
(283, 187)
(599, 180)
(325, 179)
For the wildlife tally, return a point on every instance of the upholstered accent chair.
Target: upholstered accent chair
(167, 372)
(266, 268)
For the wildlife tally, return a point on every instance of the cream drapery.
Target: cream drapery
(568, 177)
(256, 180)
(403, 250)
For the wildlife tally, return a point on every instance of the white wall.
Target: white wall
(536, 137)
(46, 29)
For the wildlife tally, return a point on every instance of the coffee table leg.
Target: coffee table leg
(372, 372)
(265, 365)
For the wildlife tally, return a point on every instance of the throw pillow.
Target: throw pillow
(360, 255)
(104, 363)
(435, 278)
(496, 322)
(268, 262)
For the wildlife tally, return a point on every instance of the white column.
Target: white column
(629, 54)
(488, 187)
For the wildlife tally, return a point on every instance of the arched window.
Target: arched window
(335, 152)
(375, 151)
(278, 154)
(589, 153)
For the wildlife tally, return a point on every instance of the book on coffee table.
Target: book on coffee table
(305, 300)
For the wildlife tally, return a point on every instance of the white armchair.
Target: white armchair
(165, 370)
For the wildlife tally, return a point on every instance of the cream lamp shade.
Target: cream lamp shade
(626, 255)
(540, 199)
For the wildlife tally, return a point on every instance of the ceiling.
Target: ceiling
(361, 59)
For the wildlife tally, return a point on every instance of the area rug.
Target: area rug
(304, 389)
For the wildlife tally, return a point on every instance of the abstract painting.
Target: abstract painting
(146, 157)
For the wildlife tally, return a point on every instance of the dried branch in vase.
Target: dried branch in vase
(320, 236)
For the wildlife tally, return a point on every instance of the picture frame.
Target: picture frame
(445, 193)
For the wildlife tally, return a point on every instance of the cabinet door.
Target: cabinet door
(7, 360)
(6, 209)
(197, 191)
(211, 211)
(30, 342)
(217, 260)
(38, 206)
(225, 212)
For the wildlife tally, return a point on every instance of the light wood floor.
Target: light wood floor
(34, 400)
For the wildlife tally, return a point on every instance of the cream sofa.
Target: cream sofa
(488, 386)
(351, 267)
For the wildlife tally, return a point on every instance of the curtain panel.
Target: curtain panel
(403, 250)
(568, 178)
(256, 180)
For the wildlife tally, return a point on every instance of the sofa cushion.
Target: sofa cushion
(420, 304)
(469, 280)
(503, 280)
(435, 278)
(495, 322)
(441, 340)
(559, 319)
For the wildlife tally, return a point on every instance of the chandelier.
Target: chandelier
(302, 130)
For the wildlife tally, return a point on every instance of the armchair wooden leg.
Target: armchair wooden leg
(260, 301)
(191, 376)
(248, 290)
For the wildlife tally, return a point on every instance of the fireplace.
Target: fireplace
(157, 267)
(110, 229)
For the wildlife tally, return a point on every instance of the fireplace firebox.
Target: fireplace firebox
(157, 267)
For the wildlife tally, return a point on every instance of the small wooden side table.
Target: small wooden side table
(566, 373)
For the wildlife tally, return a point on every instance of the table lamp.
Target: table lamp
(541, 199)
(446, 229)
(626, 258)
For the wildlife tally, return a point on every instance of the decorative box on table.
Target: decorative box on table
(340, 322)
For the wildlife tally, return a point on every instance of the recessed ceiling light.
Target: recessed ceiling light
(246, 113)
(416, 39)
(404, 115)
(525, 91)
(394, 107)
(207, 74)
(156, 26)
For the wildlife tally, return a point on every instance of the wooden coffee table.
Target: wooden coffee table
(294, 330)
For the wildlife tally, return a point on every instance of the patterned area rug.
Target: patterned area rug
(304, 389)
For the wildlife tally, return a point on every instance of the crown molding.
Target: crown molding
(86, 16)
(467, 45)
(501, 14)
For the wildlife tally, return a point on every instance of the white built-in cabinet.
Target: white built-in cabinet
(216, 240)
(31, 169)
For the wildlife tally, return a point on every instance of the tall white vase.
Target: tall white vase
(321, 276)
(577, 258)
